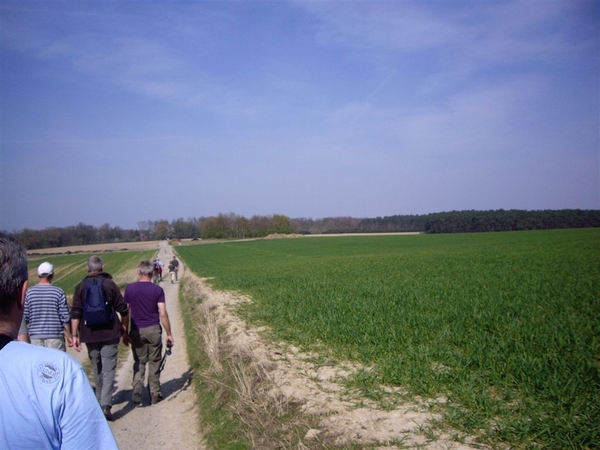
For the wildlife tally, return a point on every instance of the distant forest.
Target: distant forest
(232, 226)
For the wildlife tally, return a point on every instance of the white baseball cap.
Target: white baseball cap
(45, 269)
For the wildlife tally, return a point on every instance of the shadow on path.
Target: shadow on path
(170, 390)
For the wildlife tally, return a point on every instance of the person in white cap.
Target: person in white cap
(47, 313)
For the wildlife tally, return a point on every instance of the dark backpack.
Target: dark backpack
(96, 310)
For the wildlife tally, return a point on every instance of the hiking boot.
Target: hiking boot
(107, 413)
(137, 400)
(156, 398)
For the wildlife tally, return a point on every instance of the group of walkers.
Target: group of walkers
(173, 270)
(45, 394)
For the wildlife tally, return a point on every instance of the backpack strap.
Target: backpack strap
(89, 283)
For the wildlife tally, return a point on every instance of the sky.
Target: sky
(120, 112)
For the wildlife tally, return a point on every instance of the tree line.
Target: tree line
(233, 226)
(485, 221)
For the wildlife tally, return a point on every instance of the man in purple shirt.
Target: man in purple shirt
(148, 311)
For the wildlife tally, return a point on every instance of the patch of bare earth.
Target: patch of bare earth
(112, 247)
(288, 376)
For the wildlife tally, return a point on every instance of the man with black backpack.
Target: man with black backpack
(95, 322)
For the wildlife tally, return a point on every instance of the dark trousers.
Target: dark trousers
(146, 344)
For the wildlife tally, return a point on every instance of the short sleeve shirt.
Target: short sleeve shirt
(47, 402)
(143, 299)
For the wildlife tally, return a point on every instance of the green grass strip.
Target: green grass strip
(71, 269)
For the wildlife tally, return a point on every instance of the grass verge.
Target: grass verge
(237, 404)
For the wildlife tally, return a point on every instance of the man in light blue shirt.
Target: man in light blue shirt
(46, 401)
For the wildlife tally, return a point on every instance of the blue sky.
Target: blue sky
(126, 111)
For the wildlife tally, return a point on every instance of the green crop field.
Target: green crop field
(71, 269)
(504, 326)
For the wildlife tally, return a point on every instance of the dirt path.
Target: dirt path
(173, 423)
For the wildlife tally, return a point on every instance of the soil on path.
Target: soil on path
(172, 423)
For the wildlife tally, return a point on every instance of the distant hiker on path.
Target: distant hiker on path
(175, 265)
(158, 268)
(46, 398)
(47, 313)
(172, 273)
(148, 311)
(101, 337)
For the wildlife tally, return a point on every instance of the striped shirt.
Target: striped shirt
(46, 311)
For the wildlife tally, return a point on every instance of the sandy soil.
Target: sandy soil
(145, 245)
